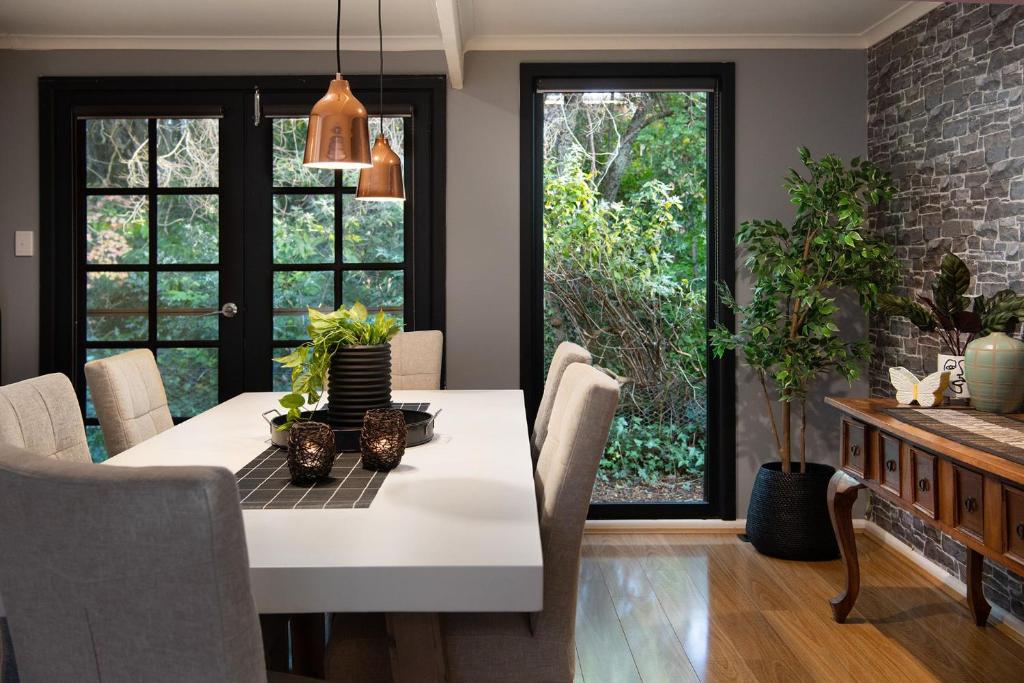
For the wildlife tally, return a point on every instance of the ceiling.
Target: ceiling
(454, 26)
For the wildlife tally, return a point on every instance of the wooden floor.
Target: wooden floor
(709, 608)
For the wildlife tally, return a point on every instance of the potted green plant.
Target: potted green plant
(789, 333)
(955, 317)
(348, 356)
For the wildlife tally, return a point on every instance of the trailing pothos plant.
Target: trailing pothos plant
(951, 313)
(788, 333)
(328, 332)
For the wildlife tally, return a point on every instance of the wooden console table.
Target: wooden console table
(972, 495)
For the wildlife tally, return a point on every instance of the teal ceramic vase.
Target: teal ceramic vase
(994, 371)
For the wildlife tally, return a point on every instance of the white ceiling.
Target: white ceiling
(455, 26)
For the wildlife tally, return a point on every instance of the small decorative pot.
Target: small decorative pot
(994, 370)
(788, 514)
(382, 439)
(954, 365)
(359, 380)
(310, 452)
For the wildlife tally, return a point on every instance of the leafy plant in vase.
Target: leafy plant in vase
(955, 317)
(789, 334)
(348, 357)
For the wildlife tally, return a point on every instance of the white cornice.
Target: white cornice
(576, 42)
(276, 43)
(902, 16)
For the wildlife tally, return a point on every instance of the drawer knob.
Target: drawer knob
(970, 504)
(890, 465)
(923, 484)
(1020, 531)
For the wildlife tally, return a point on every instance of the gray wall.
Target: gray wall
(784, 99)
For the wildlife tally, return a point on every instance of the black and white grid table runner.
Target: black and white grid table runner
(264, 484)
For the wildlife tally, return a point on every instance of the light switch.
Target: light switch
(23, 243)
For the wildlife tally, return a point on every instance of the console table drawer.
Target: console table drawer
(969, 498)
(889, 468)
(854, 448)
(1013, 516)
(922, 494)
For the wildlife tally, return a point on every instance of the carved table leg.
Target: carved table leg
(975, 595)
(842, 494)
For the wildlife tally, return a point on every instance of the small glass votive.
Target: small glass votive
(382, 439)
(310, 452)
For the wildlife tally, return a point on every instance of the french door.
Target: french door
(177, 216)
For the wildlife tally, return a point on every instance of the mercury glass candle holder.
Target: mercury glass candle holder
(382, 439)
(310, 452)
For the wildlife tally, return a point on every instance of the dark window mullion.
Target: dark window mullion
(339, 238)
(152, 231)
(305, 190)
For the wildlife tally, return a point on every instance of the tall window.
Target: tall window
(624, 250)
(177, 216)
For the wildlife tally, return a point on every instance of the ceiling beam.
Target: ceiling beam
(451, 39)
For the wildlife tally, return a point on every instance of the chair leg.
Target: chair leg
(417, 651)
(308, 644)
(275, 641)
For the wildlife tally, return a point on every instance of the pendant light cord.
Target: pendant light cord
(380, 46)
(337, 40)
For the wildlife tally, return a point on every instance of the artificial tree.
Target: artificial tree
(788, 333)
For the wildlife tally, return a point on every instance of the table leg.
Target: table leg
(309, 647)
(416, 648)
(842, 494)
(975, 594)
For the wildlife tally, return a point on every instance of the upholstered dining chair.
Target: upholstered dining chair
(416, 360)
(42, 416)
(126, 574)
(500, 647)
(565, 355)
(129, 396)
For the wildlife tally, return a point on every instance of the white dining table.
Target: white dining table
(453, 528)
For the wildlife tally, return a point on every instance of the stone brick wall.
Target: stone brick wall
(946, 117)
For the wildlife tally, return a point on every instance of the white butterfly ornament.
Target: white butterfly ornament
(927, 392)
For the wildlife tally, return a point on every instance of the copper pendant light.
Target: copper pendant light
(382, 182)
(338, 135)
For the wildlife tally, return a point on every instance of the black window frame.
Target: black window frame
(719, 77)
(63, 100)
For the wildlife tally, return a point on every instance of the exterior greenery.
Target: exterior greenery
(789, 333)
(625, 242)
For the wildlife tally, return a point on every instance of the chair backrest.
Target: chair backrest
(129, 397)
(42, 416)
(580, 420)
(566, 354)
(416, 360)
(125, 574)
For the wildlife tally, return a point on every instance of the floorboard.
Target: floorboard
(686, 607)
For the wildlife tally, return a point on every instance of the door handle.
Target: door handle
(228, 310)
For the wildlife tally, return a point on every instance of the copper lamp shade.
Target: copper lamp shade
(383, 181)
(339, 133)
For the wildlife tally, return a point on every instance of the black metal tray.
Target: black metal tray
(419, 430)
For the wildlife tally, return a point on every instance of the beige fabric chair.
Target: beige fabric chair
(495, 647)
(42, 415)
(566, 354)
(126, 574)
(129, 397)
(416, 360)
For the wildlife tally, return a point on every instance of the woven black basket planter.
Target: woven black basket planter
(788, 514)
(360, 380)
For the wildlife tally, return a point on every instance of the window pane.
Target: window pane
(282, 376)
(375, 289)
(184, 303)
(116, 153)
(394, 129)
(188, 228)
(117, 229)
(96, 354)
(190, 379)
(187, 152)
(304, 228)
(117, 306)
(289, 146)
(97, 448)
(373, 232)
(294, 292)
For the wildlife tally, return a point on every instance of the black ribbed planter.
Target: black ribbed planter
(360, 380)
(788, 514)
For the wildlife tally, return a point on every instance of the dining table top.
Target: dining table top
(453, 528)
